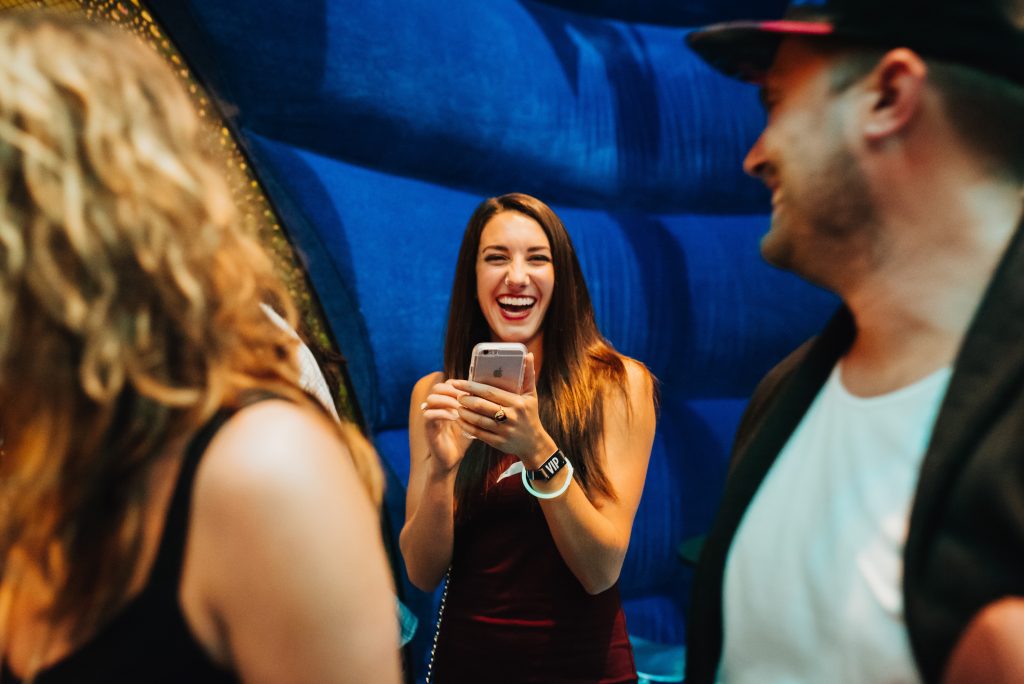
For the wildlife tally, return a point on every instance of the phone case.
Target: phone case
(499, 364)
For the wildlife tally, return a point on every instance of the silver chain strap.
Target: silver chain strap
(440, 616)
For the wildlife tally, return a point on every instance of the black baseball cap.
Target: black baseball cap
(975, 33)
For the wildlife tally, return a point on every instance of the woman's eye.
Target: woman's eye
(540, 259)
(495, 258)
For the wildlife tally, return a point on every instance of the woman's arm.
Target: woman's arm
(285, 576)
(436, 447)
(591, 535)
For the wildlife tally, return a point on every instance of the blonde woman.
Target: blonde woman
(174, 508)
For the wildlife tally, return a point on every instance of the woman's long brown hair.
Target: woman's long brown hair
(579, 368)
(129, 297)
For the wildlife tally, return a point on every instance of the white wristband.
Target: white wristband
(550, 495)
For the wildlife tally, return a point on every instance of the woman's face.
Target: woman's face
(515, 277)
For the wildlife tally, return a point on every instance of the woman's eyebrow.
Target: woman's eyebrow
(503, 248)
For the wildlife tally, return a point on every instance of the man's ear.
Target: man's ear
(896, 87)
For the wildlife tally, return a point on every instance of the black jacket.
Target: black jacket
(965, 545)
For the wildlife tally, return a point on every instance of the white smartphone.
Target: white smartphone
(499, 364)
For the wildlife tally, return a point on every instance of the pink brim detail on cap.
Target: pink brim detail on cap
(801, 27)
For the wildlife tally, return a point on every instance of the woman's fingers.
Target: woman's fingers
(474, 431)
(442, 402)
(441, 414)
(505, 421)
(473, 418)
(436, 401)
(484, 407)
(479, 389)
(447, 388)
(529, 376)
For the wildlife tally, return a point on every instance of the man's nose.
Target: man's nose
(755, 162)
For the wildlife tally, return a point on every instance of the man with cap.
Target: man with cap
(875, 501)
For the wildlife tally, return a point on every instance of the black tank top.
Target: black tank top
(149, 640)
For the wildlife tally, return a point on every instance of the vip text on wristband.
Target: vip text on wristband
(548, 469)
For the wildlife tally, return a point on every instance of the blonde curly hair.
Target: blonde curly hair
(129, 300)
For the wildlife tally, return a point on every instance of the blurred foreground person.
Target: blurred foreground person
(874, 504)
(174, 508)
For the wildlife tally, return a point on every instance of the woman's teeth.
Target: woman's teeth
(516, 304)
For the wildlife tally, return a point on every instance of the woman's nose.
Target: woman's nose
(517, 275)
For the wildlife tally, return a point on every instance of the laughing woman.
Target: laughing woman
(532, 592)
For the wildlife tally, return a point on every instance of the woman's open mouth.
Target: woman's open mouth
(516, 307)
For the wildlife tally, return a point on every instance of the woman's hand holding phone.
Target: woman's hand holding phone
(520, 431)
(448, 442)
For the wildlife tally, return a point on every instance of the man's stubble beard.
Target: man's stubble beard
(831, 225)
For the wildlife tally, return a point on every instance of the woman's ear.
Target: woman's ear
(895, 91)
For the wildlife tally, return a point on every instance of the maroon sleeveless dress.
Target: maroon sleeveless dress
(515, 613)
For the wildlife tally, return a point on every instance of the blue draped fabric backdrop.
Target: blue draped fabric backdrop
(377, 128)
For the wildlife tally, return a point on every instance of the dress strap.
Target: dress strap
(170, 557)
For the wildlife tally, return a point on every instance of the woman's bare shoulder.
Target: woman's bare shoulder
(422, 387)
(635, 395)
(637, 380)
(276, 474)
(638, 376)
(278, 512)
(275, 452)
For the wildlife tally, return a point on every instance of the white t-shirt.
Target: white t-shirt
(812, 589)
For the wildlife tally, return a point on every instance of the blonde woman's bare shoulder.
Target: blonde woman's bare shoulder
(279, 514)
(274, 439)
(275, 465)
